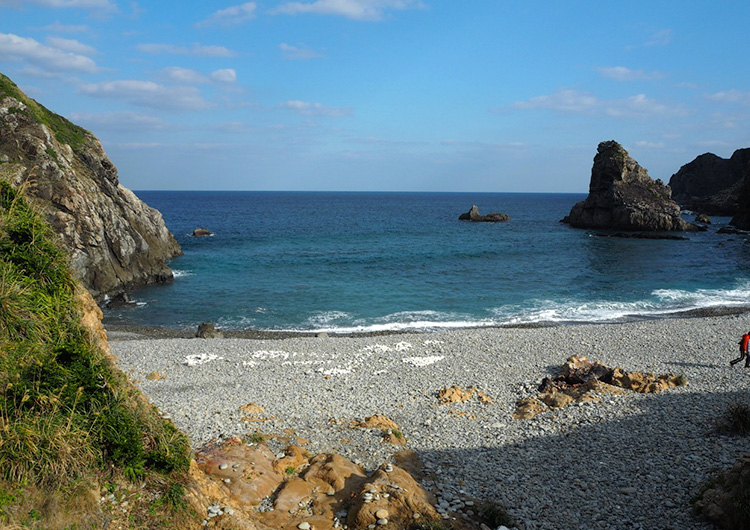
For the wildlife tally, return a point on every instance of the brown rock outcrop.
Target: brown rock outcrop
(622, 196)
(115, 241)
(581, 380)
(253, 488)
(711, 184)
(723, 498)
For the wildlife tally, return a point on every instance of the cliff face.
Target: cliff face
(742, 219)
(711, 184)
(622, 196)
(115, 241)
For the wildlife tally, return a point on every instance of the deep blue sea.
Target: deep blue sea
(350, 262)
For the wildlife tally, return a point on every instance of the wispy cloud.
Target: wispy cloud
(81, 4)
(121, 121)
(314, 109)
(53, 59)
(354, 9)
(581, 102)
(660, 38)
(148, 94)
(197, 50)
(731, 96)
(71, 45)
(193, 77)
(622, 73)
(231, 16)
(298, 52)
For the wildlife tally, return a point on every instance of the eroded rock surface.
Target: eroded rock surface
(474, 216)
(622, 196)
(115, 241)
(581, 380)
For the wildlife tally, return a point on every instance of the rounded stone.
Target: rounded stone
(382, 514)
(223, 466)
(382, 522)
(304, 526)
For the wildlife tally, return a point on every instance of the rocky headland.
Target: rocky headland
(622, 196)
(114, 240)
(711, 184)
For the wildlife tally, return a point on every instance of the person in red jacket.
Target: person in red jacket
(743, 351)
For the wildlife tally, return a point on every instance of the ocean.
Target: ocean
(364, 262)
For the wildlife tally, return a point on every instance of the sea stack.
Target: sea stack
(114, 240)
(622, 196)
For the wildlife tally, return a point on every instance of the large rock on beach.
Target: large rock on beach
(711, 184)
(622, 196)
(115, 241)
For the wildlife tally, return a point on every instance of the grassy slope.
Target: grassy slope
(70, 421)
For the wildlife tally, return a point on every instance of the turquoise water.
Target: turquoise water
(377, 261)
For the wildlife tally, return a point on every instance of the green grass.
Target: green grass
(66, 411)
(64, 131)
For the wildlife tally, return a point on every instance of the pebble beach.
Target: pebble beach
(628, 461)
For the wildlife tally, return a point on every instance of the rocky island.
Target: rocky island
(622, 196)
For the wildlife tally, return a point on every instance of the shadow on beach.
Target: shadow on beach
(638, 471)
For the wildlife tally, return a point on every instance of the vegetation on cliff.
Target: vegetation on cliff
(70, 420)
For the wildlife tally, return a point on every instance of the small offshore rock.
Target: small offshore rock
(201, 232)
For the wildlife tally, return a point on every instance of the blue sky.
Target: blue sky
(395, 95)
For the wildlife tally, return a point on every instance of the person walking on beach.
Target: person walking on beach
(743, 351)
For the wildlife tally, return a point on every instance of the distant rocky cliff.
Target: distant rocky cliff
(622, 196)
(115, 241)
(711, 184)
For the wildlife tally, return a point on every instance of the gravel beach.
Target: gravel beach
(629, 461)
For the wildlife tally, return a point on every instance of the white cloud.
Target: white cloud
(314, 109)
(650, 145)
(225, 75)
(298, 52)
(15, 48)
(231, 16)
(71, 45)
(731, 96)
(184, 75)
(197, 50)
(581, 102)
(353, 9)
(660, 38)
(82, 4)
(621, 73)
(121, 121)
(148, 94)
(193, 77)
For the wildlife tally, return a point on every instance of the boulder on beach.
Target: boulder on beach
(208, 331)
(474, 216)
(622, 196)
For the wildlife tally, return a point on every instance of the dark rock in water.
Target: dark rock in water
(120, 300)
(208, 331)
(622, 196)
(703, 218)
(475, 216)
(643, 235)
(742, 219)
(201, 232)
(711, 184)
(731, 230)
(114, 240)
